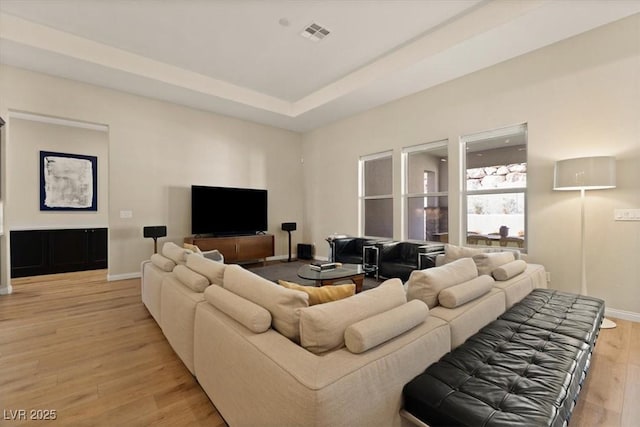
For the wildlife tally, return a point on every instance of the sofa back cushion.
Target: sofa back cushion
(255, 318)
(281, 303)
(192, 280)
(462, 293)
(175, 252)
(425, 285)
(322, 326)
(212, 270)
(378, 329)
(489, 261)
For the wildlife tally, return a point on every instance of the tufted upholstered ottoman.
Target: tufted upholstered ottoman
(524, 369)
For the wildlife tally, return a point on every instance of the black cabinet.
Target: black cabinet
(36, 252)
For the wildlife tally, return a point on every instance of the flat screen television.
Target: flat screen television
(224, 211)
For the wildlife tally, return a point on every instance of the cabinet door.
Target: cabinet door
(98, 252)
(255, 247)
(68, 250)
(226, 245)
(29, 253)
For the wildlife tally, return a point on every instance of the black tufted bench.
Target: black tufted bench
(524, 369)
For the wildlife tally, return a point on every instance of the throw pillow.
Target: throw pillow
(163, 263)
(425, 285)
(212, 270)
(255, 318)
(282, 303)
(322, 326)
(378, 329)
(509, 270)
(193, 248)
(194, 281)
(487, 262)
(322, 294)
(460, 294)
(452, 252)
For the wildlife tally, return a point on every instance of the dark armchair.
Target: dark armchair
(399, 259)
(348, 250)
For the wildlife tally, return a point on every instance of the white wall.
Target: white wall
(156, 151)
(580, 97)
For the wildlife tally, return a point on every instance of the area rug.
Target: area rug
(288, 271)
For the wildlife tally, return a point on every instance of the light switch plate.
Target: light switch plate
(126, 214)
(626, 214)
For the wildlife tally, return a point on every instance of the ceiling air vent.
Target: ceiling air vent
(315, 32)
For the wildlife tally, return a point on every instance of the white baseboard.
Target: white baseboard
(125, 276)
(621, 314)
(5, 290)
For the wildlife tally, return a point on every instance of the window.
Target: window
(376, 195)
(495, 187)
(425, 192)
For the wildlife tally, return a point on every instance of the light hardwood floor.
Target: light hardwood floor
(89, 349)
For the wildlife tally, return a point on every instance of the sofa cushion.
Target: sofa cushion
(192, 248)
(322, 294)
(255, 318)
(194, 281)
(425, 285)
(453, 252)
(462, 293)
(212, 270)
(322, 326)
(488, 261)
(509, 270)
(282, 303)
(378, 329)
(175, 252)
(162, 262)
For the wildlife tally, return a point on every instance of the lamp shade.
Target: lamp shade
(585, 173)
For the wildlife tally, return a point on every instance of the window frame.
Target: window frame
(405, 195)
(464, 193)
(361, 191)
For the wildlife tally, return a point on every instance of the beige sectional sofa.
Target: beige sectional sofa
(265, 357)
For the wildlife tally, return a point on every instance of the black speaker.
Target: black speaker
(305, 251)
(288, 226)
(155, 231)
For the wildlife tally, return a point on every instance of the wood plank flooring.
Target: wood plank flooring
(89, 350)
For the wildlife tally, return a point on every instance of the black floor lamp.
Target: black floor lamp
(155, 231)
(289, 227)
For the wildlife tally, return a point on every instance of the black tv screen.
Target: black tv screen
(228, 211)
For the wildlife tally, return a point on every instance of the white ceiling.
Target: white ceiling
(235, 57)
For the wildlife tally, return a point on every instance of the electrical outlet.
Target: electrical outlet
(548, 277)
(126, 214)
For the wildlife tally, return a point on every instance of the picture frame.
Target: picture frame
(68, 182)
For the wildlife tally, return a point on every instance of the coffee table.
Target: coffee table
(353, 272)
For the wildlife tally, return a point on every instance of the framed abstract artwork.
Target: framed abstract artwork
(68, 182)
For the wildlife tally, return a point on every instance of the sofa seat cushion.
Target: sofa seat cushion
(322, 326)
(469, 318)
(462, 293)
(489, 261)
(322, 294)
(509, 270)
(282, 303)
(425, 285)
(212, 270)
(194, 281)
(378, 329)
(255, 318)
